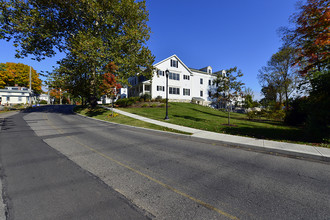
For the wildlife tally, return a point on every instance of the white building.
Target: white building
(108, 100)
(185, 84)
(11, 95)
(44, 97)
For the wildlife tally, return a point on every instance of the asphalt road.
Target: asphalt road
(56, 165)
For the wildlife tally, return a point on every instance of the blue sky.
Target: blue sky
(219, 33)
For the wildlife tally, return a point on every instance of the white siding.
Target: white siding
(193, 84)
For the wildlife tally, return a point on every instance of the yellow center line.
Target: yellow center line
(206, 205)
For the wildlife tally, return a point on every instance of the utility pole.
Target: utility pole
(30, 89)
(60, 96)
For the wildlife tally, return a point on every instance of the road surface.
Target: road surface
(57, 165)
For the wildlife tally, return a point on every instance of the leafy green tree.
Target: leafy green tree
(318, 119)
(248, 98)
(248, 102)
(91, 33)
(228, 87)
(280, 74)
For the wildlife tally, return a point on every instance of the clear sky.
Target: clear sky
(216, 33)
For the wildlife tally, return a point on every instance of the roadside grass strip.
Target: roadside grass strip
(214, 120)
(107, 115)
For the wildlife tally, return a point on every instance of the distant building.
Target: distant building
(108, 100)
(11, 95)
(185, 84)
(44, 97)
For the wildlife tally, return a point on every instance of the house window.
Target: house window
(160, 88)
(209, 82)
(201, 93)
(8, 99)
(19, 99)
(186, 77)
(175, 91)
(174, 63)
(201, 81)
(147, 87)
(174, 76)
(210, 94)
(160, 73)
(186, 92)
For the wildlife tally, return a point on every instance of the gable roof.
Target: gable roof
(174, 56)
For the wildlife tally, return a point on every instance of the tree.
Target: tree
(18, 73)
(270, 94)
(91, 33)
(279, 74)
(110, 87)
(228, 87)
(248, 98)
(310, 36)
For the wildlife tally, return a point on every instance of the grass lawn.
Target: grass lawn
(104, 114)
(205, 118)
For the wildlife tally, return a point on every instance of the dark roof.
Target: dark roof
(197, 70)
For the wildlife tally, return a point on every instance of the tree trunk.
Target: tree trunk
(228, 114)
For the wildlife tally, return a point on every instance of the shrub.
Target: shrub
(159, 98)
(126, 101)
(252, 115)
(122, 102)
(297, 112)
(43, 102)
(154, 105)
(145, 105)
(146, 97)
(162, 105)
(277, 115)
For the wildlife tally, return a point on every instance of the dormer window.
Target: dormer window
(174, 63)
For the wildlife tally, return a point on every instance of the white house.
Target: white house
(44, 97)
(11, 95)
(185, 84)
(108, 100)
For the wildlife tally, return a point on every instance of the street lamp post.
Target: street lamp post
(166, 117)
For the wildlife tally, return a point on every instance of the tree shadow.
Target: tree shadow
(265, 121)
(96, 112)
(62, 109)
(190, 118)
(268, 133)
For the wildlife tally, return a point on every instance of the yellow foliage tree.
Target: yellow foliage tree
(18, 73)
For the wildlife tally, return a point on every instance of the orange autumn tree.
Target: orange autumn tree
(311, 35)
(60, 95)
(110, 87)
(18, 73)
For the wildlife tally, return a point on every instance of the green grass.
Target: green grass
(105, 115)
(205, 118)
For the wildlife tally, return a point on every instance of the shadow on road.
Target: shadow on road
(62, 109)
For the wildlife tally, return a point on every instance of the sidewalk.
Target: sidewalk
(299, 150)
